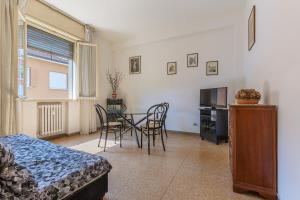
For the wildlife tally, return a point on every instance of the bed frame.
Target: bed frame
(92, 191)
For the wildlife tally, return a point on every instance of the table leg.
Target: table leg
(136, 135)
(134, 125)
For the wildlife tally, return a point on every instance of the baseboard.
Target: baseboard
(73, 133)
(183, 132)
(51, 137)
(78, 132)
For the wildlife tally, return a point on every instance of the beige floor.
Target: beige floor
(189, 169)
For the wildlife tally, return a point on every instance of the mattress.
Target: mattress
(43, 170)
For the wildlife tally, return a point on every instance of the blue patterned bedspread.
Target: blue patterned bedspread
(42, 170)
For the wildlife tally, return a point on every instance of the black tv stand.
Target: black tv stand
(214, 124)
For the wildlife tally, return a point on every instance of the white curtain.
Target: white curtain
(8, 65)
(87, 70)
(87, 83)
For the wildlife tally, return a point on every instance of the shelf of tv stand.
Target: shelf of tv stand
(214, 124)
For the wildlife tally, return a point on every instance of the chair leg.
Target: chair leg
(162, 139)
(120, 136)
(115, 137)
(165, 129)
(122, 124)
(132, 121)
(100, 137)
(148, 143)
(142, 138)
(153, 137)
(105, 139)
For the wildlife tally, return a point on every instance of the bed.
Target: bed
(36, 169)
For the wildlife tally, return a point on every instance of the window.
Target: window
(58, 81)
(49, 66)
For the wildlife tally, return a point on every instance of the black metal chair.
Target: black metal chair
(165, 117)
(154, 124)
(106, 126)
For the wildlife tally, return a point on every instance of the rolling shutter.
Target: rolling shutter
(48, 46)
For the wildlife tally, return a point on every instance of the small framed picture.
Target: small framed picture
(251, 29)
(171, 68)
(135, 65)
(212, 68)
(192, 60)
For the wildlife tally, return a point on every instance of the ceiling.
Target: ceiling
(121, 21)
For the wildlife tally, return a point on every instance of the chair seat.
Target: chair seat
(152, 125)
(113, 124)
(122, 119)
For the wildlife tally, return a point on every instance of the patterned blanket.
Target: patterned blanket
(36, 169)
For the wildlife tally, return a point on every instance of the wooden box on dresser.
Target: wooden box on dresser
(253, 149)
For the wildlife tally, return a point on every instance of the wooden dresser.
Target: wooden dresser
(253, 149)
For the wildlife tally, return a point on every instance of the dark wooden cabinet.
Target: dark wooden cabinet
(113, 106)
(214, 124)
(253, 149)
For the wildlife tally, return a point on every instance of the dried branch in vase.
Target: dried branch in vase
(114, 79)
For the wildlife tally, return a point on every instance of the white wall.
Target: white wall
(273, 68)
(105, 54)
(153, 85)
(104, 63)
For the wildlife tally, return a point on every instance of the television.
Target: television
(214, 97)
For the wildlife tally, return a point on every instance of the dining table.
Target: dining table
(133, 125)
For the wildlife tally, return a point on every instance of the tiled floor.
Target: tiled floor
(189, 169)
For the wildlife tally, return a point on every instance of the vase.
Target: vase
(114, 95)
(247, 101)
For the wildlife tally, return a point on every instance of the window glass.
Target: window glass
(58, 81)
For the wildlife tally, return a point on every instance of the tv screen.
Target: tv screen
(214, 97)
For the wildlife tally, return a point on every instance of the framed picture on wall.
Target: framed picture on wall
(135, 65)
(171, 68)
(252, 28)
(212, 68)
(192, 60)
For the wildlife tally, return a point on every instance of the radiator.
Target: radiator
(50, 119)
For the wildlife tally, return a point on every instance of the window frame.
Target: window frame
(24, 40)
(27, 79)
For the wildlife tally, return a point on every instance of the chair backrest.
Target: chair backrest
(156, 114)
(102, 114)
(167, 105)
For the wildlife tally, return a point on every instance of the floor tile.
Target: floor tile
(190, 169)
